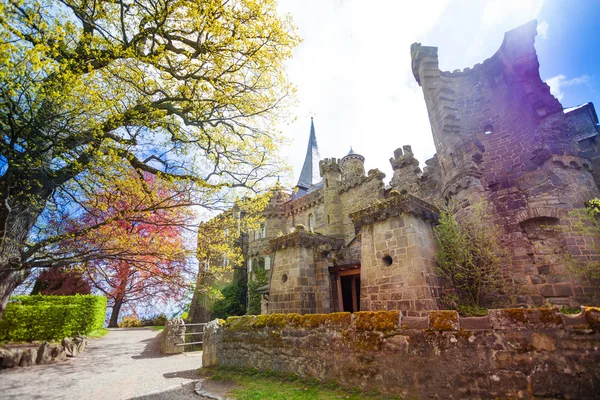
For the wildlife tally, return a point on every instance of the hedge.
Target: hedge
(28, 318)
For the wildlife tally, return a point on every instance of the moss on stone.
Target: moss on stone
(592, 316)
(444, 320)
(239, 324)
(549, 316)
(515, 314)
(312, 321)
(277, 320)
(362, 341)
(376, 321)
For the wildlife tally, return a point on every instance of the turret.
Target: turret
(331, 173)
(353, 167)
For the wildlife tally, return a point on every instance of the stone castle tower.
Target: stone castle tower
(502, 137)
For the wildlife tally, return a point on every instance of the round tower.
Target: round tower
(331, 173)
(353, 166)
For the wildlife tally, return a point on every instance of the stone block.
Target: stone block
(475, 323)
(29, 357)
(508, 319)
(10, 358)
(50, 353)
(415, 322)
(542, 342)
(444, 320)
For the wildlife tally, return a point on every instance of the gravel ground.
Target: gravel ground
(125, 364)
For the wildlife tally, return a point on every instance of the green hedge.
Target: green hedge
(28, 318)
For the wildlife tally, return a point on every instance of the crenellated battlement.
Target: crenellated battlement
(330, 165)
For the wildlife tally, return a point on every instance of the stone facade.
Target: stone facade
(350, 243)
(513, 353)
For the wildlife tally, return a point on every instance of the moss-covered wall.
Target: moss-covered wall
(514, 353)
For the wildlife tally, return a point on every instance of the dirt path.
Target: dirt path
(124, 364)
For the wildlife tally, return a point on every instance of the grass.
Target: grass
(157, 328)
(255, 385)
(98, 333)
(570, 310)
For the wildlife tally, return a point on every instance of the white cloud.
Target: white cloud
(542, 29)
(559, 82)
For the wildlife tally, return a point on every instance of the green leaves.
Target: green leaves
(29, 318)
(470, 255)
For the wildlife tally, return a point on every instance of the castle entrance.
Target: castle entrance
(347, 287)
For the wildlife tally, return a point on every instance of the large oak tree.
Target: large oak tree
(91, 90)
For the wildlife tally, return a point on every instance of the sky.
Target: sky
(352, 70)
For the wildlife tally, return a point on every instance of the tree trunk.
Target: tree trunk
(9, 280)
(114, 316)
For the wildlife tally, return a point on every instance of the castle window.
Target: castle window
(256, 235)
(328, 219)
(284, 278)
(263, 230)
(387, 261)
(249, 266)
(310, 222)
(267, 263)
(488, 129)
(326, 182)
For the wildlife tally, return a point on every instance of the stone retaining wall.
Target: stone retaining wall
(509, 353)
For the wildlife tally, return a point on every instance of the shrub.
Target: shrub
(155, 320)
(28, 318)
(258, 279)
(130, 322)
(233, 302)
(470, 256)
(586, 224)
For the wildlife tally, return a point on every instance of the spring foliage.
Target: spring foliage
(470, 256)
(587, 224)
(29, 318)
(145, 252)
(98, 92)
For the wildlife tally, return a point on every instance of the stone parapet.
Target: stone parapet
(302, 238)
(510, 353)
(394, 205)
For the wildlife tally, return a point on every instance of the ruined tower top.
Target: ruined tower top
(310, 170)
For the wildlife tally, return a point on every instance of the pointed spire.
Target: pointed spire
(310, 170)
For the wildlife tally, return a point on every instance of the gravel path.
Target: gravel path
(125, 364)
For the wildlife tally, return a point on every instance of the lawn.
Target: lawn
(98, 333)
(255, 385)
(157, 328)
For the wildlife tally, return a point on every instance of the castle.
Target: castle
(344, 241)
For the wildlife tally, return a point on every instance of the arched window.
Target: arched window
(256, 235)
(263, 230)
(267, 263)
(310, 222)
(249, 266)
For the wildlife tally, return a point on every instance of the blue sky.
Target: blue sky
(352, 70)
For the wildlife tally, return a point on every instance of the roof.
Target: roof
(310, 170)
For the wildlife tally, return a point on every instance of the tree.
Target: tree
(221, 285)
(470, 256)
(91, 90)
(145, 253)
(61, 282)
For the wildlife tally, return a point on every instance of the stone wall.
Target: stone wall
(501, 137)
(397, 255)
(357, 196)
(515, 353)
(397, 265)
(300, 281)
